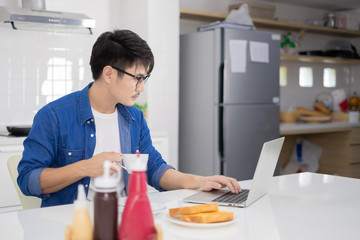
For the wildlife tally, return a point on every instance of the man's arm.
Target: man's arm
(172, 179)
(55, 179)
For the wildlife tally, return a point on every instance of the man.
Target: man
(72, 136)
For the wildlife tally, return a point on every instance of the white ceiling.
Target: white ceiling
(330, 5)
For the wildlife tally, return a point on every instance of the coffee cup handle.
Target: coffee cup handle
(118, 169)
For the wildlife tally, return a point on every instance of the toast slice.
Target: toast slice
(209, 217)
(203, 208)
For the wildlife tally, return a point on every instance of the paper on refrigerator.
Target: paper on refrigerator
(238, 56)
(259, 52)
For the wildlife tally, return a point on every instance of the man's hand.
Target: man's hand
(55, 179)
(219, 181)
(173, 179)
(94, 165)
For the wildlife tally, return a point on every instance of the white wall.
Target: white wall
(163, 94)
(37, 67)
(158, 22)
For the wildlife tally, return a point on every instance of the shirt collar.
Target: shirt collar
(125, 112)
(85, 108)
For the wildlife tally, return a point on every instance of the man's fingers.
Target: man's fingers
(233, 185)
(114, 157)
(223, 181)
(209, 185)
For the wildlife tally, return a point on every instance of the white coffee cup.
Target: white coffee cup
(353, 116)
(133, 162)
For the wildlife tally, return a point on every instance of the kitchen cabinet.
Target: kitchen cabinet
(340, 143)
(9, 198)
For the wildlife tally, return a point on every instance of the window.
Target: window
(329, 77)
(59, 81)
(306, 77)
(283, 76)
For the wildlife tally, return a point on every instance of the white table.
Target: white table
(298, 206)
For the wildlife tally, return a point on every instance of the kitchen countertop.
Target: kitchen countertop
(11, 140)
(6, 139)
(308, 128)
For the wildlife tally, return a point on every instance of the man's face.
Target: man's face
(125, 89)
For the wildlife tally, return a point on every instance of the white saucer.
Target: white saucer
(199, 225)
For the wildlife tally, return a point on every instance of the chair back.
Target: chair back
(27, 202)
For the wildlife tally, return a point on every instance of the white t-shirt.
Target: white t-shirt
(107, 140)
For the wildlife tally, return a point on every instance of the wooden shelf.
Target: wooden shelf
(267, 23)
(318, 59)
(200, 15)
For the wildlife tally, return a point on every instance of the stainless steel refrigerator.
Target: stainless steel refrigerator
(229, 100)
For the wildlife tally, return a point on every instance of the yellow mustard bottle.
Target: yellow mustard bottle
(354, 102)
(81, 225)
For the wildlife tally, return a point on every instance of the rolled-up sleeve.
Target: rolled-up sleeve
(34, 182)
(158, 174)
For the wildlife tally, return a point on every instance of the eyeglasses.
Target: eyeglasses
(139, 79)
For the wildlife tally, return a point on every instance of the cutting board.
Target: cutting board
(315, 119)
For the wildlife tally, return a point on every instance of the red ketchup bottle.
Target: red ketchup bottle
(106, 205)
(137, 221)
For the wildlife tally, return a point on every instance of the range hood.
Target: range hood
(36, 17)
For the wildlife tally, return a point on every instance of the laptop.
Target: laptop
(260, 184)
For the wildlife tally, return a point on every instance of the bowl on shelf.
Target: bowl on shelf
(289, 116)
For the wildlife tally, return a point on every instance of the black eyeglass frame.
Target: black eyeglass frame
(139, 79)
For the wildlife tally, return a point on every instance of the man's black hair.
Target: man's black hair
(121, 48)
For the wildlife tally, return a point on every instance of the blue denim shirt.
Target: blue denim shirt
(63, 132)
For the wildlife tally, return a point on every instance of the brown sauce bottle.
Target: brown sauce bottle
(106, 206)
(105, 215)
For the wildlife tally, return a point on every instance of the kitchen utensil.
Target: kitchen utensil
(330, 19)
(315, 119)
(312, 53)
(321, 107)
(340, 48)
(117, 163)
(309, 112)
(19, 130)
(315, 22)
(289, 117)
(199, 225)
(353, 116)
(326, 99)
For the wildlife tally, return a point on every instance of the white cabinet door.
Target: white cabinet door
(9, 197)
(161, 144)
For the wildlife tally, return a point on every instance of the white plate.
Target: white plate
(200, 225)
(155, 207)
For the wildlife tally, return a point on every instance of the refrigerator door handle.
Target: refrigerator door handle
(221, 83)
(221, 138)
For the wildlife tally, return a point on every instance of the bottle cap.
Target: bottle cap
(81, 201)
(106, 182)
(136, 162)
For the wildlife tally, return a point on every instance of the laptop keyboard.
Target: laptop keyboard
(230, 197)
